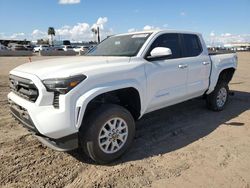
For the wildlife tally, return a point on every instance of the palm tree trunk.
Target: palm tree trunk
(51, 40)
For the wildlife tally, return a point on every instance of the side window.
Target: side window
(192, 45)
(170, 41)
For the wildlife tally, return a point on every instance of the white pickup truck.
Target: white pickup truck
(93, 101)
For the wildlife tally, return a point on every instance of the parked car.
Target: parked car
(81, 49)
(68, 48)
(2, 47)
(57, 48)
(18, 47)
(29, 47)
(41, 48)
(93, 101)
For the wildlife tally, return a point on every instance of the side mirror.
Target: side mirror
(160, 52)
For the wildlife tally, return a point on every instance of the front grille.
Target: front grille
(23, 87)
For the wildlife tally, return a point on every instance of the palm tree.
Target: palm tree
(96, 31)
(51, 32)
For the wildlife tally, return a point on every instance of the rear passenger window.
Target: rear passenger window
(192, 45)
(170, 41)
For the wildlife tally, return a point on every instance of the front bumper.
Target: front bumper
(66, 143)
(49, 121)
(22, 115)
(57, 127)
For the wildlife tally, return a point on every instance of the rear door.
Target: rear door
(166, 77)
(198, 65)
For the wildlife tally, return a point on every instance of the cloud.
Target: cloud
(14, 36)
(226, 34)
(131, 30)
(37, 34)
(17, 35)
(100, 23)
(145, 28)
(149, 27)
(82, 31)
(78, 32)
(102, 20)
(212, 34)
(65, 2)
(225, 38)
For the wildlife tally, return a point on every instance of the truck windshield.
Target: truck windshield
(123, 45)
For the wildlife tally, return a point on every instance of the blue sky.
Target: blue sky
(74, 18)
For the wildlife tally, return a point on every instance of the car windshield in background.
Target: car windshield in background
(123, 45)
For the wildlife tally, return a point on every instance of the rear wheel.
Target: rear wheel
(217, 100)
(110, 132)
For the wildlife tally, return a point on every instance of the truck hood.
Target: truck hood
(69, 66)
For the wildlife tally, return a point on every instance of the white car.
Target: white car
(80, 49)
(68, 48)
(93, 101)
(41, 48)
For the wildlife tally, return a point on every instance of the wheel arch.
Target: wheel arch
(225, 74)
(128, 97)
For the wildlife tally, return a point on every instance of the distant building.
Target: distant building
(237, 46)
(61, 42)
(6, 42)
(86, 44)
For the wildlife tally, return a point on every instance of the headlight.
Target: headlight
(63, 85)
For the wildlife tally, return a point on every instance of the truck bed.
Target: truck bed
(220, 62)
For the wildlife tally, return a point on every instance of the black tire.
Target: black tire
(89, 136)
(212, 103)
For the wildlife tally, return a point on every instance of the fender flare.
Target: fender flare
(83, 100)
(215, 77)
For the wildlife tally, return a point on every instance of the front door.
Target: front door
(166, 78)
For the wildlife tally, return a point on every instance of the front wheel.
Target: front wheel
(110, 132)
(217, 100)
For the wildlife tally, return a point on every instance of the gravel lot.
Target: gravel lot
(185, 145)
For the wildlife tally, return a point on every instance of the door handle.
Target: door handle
(182, 66)
(205, 63)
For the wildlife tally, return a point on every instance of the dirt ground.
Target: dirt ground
(185, 145)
